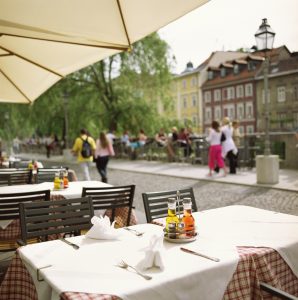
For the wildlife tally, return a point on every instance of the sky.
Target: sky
(229, 25)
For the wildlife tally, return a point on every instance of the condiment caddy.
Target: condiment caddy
(179, 229)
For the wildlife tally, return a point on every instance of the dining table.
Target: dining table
(236, 247)
(11, 230)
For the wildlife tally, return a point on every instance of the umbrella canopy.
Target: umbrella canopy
(43, 41)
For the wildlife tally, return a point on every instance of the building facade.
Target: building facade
(187, 93)
(234, 89)
(282, 95)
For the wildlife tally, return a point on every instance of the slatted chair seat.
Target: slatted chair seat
(9, 210)
(46, 220)
(112, 199)
(156, 203)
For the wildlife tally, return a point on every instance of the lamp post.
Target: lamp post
(264, 39)
(267, 165)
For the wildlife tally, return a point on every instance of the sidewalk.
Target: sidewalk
(288, 179)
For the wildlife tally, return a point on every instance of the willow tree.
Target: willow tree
(127, 86)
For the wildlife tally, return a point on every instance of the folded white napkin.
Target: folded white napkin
(102, 229)
(153, 254)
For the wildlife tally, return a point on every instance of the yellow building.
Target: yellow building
(187, 94)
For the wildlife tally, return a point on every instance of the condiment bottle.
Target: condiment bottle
(57, 181)
(188, 219)
(61, 179)
(172, 217)
(65, 179)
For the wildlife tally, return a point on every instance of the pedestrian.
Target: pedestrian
(84, 149)
(215, 149)
(229, 149)
(237, 136)
(104, 149)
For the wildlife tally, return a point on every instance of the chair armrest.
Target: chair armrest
(276, 292)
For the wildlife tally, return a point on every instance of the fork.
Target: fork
(137, 233)
(122, 264)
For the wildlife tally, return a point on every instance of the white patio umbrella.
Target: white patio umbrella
(42, 41)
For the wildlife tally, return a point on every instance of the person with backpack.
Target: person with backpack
(84, 148)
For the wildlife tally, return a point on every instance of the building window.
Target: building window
(281, 94)
(217, 113)
(222, 72)
(194, 100)
(240, 111)
(184, 101)
(194, 121)
(208, 115)
(239, 91)
(263, 96)
(249, 110)
(207, 96)
(248, 90)
(251, 65)
(210, 75)
(232, 113)
(231, 93)
(184, 84)
(194, 81)
(236, 69)
(217, 95)
(249, 129)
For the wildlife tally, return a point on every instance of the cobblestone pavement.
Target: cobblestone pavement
(208, 194)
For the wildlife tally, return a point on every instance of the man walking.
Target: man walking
(84, 148)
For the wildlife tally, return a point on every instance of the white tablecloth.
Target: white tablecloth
(249, 226)
(92, 268)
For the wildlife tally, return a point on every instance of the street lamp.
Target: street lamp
(264, 39)
(267, 165)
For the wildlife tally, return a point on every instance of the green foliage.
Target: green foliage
(120, 92)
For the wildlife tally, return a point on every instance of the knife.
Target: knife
(199, 254)
(70, 243)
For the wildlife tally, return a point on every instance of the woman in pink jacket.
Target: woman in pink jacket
(104, 149)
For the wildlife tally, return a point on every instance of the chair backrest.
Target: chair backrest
(9, 203)
(44, 219)
(111, 198)
(15, 177)
(156, 203)
(47, 174)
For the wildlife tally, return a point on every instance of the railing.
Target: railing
(282, 144)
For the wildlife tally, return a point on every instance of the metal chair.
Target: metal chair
(111, 199)
(15, 177)
(9, 210)
(275, 292)
(156, 206)
(46, 220)
(47, 174)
